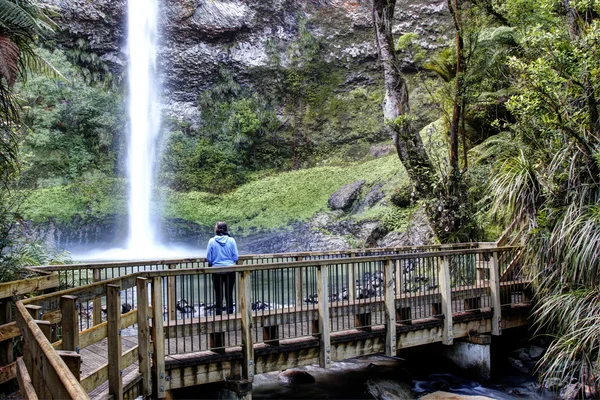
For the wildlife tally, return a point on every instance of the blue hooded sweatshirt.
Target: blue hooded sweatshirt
(222, 251)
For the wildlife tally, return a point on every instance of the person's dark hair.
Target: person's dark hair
(221, 228)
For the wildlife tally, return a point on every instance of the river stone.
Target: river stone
(451, 396)
(295, 377)
(345, 196)
(535, 352)
(385, 389)
(569, 392)
(518, 365)
(522, 354)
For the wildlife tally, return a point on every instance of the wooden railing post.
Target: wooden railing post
(246, 310)
(97, 312)
(172, 296)
(495, 295)
(113, 309)
(351, 283)
(143, 335)
(73, 362)
(158, 341)
(6, 347)
(399, 275)
(34, 364)
(390, 308)
(298, 283)
(323, 307)
(70, 325)
(446, 292)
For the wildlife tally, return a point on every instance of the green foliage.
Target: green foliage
(545, 177)
(92, 199)
(409, 44)
(395, 218)
(74, 128)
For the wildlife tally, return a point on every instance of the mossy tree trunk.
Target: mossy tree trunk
(396, 109)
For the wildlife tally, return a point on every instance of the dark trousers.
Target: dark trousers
(224, 280)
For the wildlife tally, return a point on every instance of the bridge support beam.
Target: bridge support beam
(324, 336)
(390, 308)
(158, 341)
(495, 296)
(472, 354)
(446, 305)
(248, 366)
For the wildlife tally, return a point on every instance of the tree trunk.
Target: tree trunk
(396, 109)
(586, 79)
(457, 112)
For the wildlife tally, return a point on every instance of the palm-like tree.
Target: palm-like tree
(22, 23)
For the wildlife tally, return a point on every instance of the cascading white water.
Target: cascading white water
(144, 121)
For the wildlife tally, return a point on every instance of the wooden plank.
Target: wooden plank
(60, 382)
(25, 385)
(323, 307)
(100, 375)
(158, 341)
(8, 372)
(95, 334)
(446, 304)
(495, 295)
(27, 286)
(143, 335)
(246, 316)
(70, 326)
(113, 309)
(390, 308)
(97, 312)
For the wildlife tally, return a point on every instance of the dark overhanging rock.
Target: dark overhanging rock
(345, 197)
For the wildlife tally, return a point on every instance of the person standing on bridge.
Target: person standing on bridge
(222, 252)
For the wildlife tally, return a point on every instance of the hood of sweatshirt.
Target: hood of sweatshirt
(221, 239)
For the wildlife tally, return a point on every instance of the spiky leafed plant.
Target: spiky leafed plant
(552, 181)
(22, 23)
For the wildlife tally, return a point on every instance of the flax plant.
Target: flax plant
(546, 182)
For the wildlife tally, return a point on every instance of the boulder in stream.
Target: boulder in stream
(295, 377)
(385, 389)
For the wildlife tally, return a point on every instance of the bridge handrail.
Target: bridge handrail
(389, 262)
(251, 257)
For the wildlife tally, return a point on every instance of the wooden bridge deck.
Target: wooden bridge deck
(189, 349)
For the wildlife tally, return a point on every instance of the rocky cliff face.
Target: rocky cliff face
(199, 37)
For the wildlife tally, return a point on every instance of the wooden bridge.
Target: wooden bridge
(145, 328)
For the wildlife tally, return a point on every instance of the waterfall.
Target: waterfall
(144, 121)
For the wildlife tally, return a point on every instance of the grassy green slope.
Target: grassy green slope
(267, 203)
